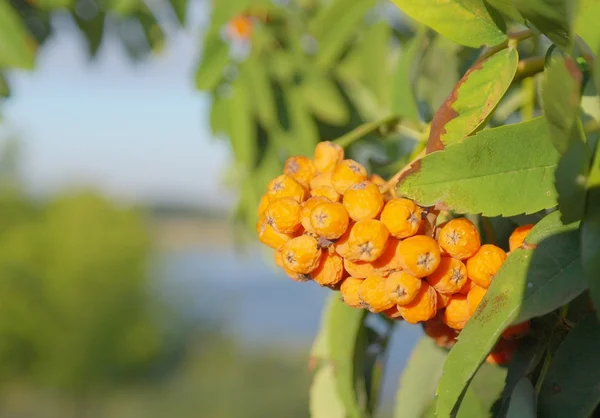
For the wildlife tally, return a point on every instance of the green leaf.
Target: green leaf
(324, 99)
(53, 4)
(501, 171)
(375, 51)
(180, 9)
(366, 129)
(336, 38)
(571, 388)
(560, 100)
(530, 283)
(16, 46)
(507, 8)
(4, 87)
(303, 128)
(473, 98)
(242, 131)
(586, 24)
(214, 60)
(123, 7)
(571, 174)
(590, 232)
(93, 30)
(554, 18)
(467, 22)
(522, 401)
(258, 83)
(419, 379)
(324, 400)
(404, 101)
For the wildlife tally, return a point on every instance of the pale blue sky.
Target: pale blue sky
(137, 132)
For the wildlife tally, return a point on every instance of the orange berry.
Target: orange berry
(271, 238)
(278, 257)
(300, 169)
(442, 334)
(516, 331)
(328, 192)
(240, 27)
(349, 290)
(485, 264)
(346, 174)
(305, 212)
(321, 185)
(456, 313)
(363, 201)
(467, 287)
(449, 277)
(329, 220)
(459, 238)
(377, 180)
(393, 313)
(443, 300)
(402, 287)
(285, 186)
(474, 298)
(341, 245)
(297, 277)
(372, 292)
(423, 306)
(383, 266)
(367, 240)
(402, 217)
(502, 353)
(419, 254)
(284, 215)
(518, 236)
(301, 254)
(263, 204)
(330, 270)
(327, 156)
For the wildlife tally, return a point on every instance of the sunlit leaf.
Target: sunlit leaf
(523, 401)
(501, 171)
(475, 96)
(17, 49)
(467, 22)
(214, 59)
(507, 8)
(242, 132)
(258, 83)
(324, 399)
(570, 388)
(531, 282)
(554, 18)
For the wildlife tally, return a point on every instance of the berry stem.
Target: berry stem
(386, 124)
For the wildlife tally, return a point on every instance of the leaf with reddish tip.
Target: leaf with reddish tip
(473, 98)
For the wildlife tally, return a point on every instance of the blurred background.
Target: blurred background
(136, 138)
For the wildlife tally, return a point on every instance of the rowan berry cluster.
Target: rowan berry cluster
(330, 222)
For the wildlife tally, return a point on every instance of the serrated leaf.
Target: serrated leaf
(473, 98)
(258, 83)
(324, 99)
(554, 18)
(571, 174)
(214, 60)
(571, 388)
(523, 401)
(467, 22)
(336, 38)
(560, 100)
(324, 400)
(16, 46)
(180, 9)
(419, 379)
(590, 232)
(500, 171)
(530, 283)
(404, 101)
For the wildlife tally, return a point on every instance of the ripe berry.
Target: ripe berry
(402, 217)
(300, 169)
(393, 313)
(485, 264)
(278, 258)
(442, 300)
(516, 331)
(349, 291)
(307, 208)
(321, 185)
(341, 245)
(301, 254)
(367, 240)
(449, 277)
(327, 156)
(329, 220)
(271, 238)
(442, 334)
(285, 186)
(518, 236)
(459, 238)
(419, 254)
(347, 173)
(474, 298)
(377, 180)
(502, 353)
(330, 270)
(383, 266)
(263, 204)
(240, 27)
(467, 286)
(297, 277)
(456, 313)
(284, 215)
(402, 287)
(372, 292)
(363, 201)
(422, 308)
